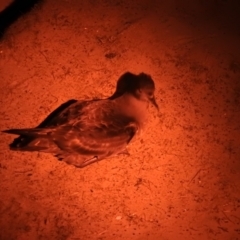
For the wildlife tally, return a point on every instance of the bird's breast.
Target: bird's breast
(134, 108)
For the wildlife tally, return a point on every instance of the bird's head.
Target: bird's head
(144, 89)
(140, 86)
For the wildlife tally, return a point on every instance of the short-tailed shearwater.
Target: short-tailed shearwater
(84, 132)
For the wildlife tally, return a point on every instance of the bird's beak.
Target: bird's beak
(153, 101)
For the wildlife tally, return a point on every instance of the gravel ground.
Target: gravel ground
(181, 180)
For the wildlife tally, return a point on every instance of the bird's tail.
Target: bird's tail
(31, 139)
(31, 132)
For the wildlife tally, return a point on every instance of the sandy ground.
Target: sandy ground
(181, 180)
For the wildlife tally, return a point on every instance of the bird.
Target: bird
(82, 132)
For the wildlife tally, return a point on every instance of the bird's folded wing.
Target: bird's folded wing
(93, 141)
(53, 116)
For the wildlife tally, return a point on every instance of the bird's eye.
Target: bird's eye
(150, 94)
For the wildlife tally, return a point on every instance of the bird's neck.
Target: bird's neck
(133, 107)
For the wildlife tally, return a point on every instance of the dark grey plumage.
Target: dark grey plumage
(83, 132)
